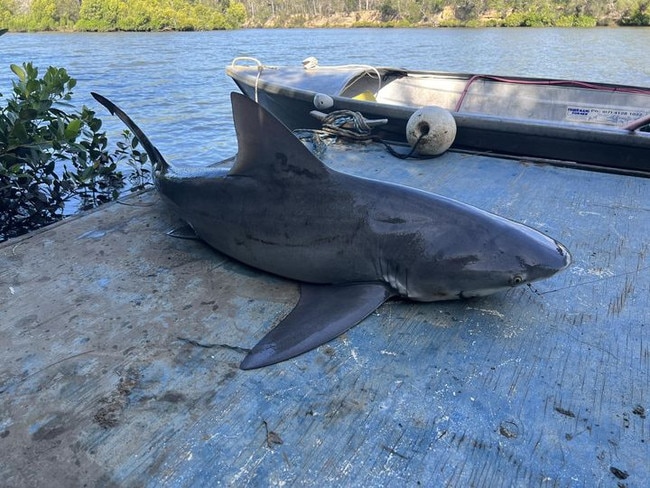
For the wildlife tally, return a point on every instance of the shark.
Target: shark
(351, 242)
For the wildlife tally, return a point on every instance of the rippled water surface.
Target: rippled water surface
(174, 86)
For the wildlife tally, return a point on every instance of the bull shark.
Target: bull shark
(351, 242)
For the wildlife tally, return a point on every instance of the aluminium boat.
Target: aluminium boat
(601, 125)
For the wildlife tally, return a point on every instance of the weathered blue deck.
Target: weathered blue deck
(103, 381)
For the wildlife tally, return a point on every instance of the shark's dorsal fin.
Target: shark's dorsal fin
(267, 148)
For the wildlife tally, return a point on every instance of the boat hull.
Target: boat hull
(597, 146)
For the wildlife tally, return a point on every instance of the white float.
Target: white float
(434, 127)
(323, 102)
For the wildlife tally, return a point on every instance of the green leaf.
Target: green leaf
(27, 114)
(95, 125)
(19, 133)
(73, 129)
(87, 173)
(19, 72)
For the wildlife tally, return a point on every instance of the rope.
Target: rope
(410, 154)
(352, 125)
(317, 138)
(260, 68)
(348, 124)
(569, 83)
(312, 63)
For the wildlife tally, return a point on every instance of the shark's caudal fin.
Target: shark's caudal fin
(157, 159)
(267, 148)
(323, 313)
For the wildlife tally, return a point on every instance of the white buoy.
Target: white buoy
(322, 101)
(434, 127)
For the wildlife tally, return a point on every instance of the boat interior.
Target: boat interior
(512, 97)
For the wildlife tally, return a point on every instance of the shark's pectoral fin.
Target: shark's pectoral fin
(322, 313)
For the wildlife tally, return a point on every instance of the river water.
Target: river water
(173, 84)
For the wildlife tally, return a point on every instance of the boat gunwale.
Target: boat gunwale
(307, 95)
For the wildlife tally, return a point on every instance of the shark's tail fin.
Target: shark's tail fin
(157, 159)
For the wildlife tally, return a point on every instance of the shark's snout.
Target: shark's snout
(565, 254)
(547, 261)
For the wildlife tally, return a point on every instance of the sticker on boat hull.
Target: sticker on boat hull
(603, 115)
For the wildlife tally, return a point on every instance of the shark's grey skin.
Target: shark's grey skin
(352, 242)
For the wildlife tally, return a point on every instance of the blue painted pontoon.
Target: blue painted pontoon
(121, 348)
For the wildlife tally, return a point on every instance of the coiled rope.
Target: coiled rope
(353, 126)
(348, 124)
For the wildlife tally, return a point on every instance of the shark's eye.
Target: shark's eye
(517, 280)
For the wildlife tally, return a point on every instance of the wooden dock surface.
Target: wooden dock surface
(120, 351)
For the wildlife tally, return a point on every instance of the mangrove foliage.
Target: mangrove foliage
(55, 160)
(121, 15)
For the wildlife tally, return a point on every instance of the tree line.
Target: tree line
(121, 15)
(144, 15)
(287, 13)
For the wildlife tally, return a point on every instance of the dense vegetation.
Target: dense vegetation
(448, 12)
(126, 15)
(144, 15)
(54, 160)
